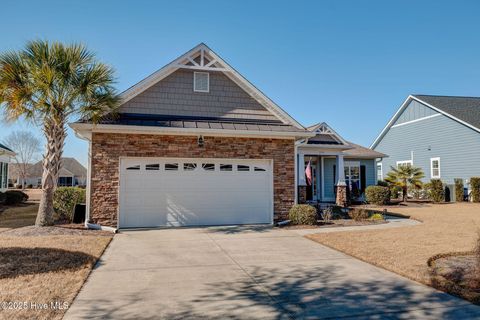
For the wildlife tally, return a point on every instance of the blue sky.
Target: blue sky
(349, 63)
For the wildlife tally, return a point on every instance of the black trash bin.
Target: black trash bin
(79, 213)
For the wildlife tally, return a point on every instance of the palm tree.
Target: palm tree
(405, 177)
(49, 83)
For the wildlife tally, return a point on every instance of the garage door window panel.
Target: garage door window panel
(208, 166)
(135, 167)
(226, 167)
(155, 166)
(242, 167)
(189, 166)
(171, 166)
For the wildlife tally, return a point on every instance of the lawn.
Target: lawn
(42, 269)
(446, 228)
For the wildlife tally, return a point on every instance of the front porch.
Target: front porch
(339, 170)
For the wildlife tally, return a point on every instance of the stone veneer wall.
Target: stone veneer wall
(108, 147)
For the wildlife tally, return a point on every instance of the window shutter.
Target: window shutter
(334, 174)
(363, 179)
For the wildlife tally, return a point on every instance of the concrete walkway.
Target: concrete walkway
(248, 273)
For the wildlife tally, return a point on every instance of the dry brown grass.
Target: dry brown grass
(46, 268)
(18, 216)
(445, 228)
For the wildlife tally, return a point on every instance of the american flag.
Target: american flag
(308, 174)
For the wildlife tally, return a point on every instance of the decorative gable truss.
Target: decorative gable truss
(323, 132)
(202, 58)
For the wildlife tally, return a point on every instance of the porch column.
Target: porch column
(341, 196)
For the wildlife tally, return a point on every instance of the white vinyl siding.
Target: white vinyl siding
(435, 168)
(201, 82)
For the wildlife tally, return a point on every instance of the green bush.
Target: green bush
(303, 214)
(475, 185)
(435, 190)
(377, 195)
(395, 192)
(359, 214)
(15, 197)
(65, 199)
(382, 183)
(458, 190)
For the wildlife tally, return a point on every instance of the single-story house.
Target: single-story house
(72, 173)
(439, 134)
(6, 155)
(195, 143)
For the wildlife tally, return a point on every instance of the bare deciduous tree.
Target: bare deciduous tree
(27, 149)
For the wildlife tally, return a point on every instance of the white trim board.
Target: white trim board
(403, 106)
(416, 120)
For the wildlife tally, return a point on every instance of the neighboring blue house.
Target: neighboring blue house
(440, 134)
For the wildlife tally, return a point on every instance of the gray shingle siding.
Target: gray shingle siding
(415, 110)
(174, 95)
(457, 146)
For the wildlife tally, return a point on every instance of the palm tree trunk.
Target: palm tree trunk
(404, 191)
(54, 130)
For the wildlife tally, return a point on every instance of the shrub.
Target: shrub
(458, 190)
(475, 185)
(377, 195)
(3, 197)
(358, 214)
(382, 183)
(15, 197)
(327, 214)
(65, 199)
(435, 190)
(303, 214)
(395, 192)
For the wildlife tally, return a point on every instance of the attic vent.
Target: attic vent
(201, 82)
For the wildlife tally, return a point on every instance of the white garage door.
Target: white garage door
(188, 192)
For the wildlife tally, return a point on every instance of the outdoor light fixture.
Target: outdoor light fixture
(200, 141)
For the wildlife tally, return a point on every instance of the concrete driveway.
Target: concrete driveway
(248, 273)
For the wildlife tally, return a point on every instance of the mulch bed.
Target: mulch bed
(458, 274)
(59, 230)
(336, 224)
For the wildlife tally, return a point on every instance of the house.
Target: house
(439, 134)
(71, 174)
(195, 143)
(6, 155)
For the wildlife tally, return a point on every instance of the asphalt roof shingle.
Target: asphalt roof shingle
(466, 109)
(2, 146)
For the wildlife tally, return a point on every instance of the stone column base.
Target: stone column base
(341, 197)
(302, 194)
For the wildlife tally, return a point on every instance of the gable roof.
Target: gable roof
(70, 166)
(465, 110)
(325, 135)
(202, 58)
(359, 151)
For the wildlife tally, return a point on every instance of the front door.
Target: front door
(312, 190)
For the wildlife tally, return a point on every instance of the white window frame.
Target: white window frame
(404, 162)
(431, 168)
(379, 178)
(195, 82)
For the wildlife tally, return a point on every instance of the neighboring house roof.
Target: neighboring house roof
(70, 166)
(4, 147)
(465, 110)
(174, 113)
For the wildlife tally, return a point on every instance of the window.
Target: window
(1, 174)
(171, 166)
(189, 166)
(435, 168)
(379, 172)
(226, 167)
(242, 167)
(404, 163)
(208, 166)
(154, 166)
(352, 175)
(137, 167)
(258, 169)
(201, 82)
